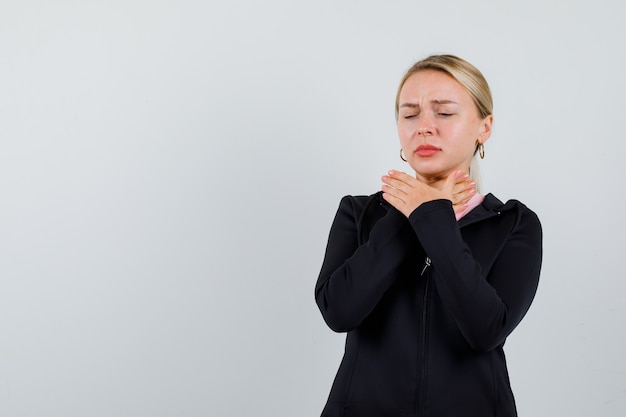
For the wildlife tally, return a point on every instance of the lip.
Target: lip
(426, 150)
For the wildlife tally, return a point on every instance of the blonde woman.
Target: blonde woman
(428, 276)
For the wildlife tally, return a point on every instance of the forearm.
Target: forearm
(354, 276)
(487, 292)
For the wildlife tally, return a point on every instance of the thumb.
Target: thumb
(448, 185)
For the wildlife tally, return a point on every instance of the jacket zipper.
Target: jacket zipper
(421, 385)
(427, 263)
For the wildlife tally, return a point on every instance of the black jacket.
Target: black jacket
(427, 303)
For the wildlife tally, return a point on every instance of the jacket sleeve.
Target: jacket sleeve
(354, 277)
(486, 306)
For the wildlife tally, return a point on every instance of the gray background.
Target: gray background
(169, 171)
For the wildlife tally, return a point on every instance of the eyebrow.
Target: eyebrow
(414, 105)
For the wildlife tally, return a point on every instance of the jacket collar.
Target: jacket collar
(490, 207)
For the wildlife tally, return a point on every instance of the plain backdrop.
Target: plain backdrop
(169, 171)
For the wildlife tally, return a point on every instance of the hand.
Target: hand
(462, 191)
(406, 193)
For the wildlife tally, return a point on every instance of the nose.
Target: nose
(425, 126)
(424, 130)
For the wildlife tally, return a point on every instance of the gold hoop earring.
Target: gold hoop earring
(402, 155)
(480, 148)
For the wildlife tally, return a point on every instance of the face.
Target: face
(438, 125)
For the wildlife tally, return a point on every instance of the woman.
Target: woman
(426, 283)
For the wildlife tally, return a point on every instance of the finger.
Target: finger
(395, 183)
(451, 180)
(462, 183)
(393, 200)
(394, 192)
(460, 176)
(463, 198)
(461, 188)
(403, 177)
(459, 207)
(465, 189)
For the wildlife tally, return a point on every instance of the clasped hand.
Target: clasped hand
(406, 193)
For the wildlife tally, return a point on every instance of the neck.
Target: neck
(437, 181)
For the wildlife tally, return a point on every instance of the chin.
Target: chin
(428, 171)
(431, 174)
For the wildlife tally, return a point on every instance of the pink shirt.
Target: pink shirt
(471, 204)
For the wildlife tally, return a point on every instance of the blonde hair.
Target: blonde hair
(465, 74)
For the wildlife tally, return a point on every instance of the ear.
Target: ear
(485, 129)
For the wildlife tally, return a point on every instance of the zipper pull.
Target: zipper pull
(426, 265)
